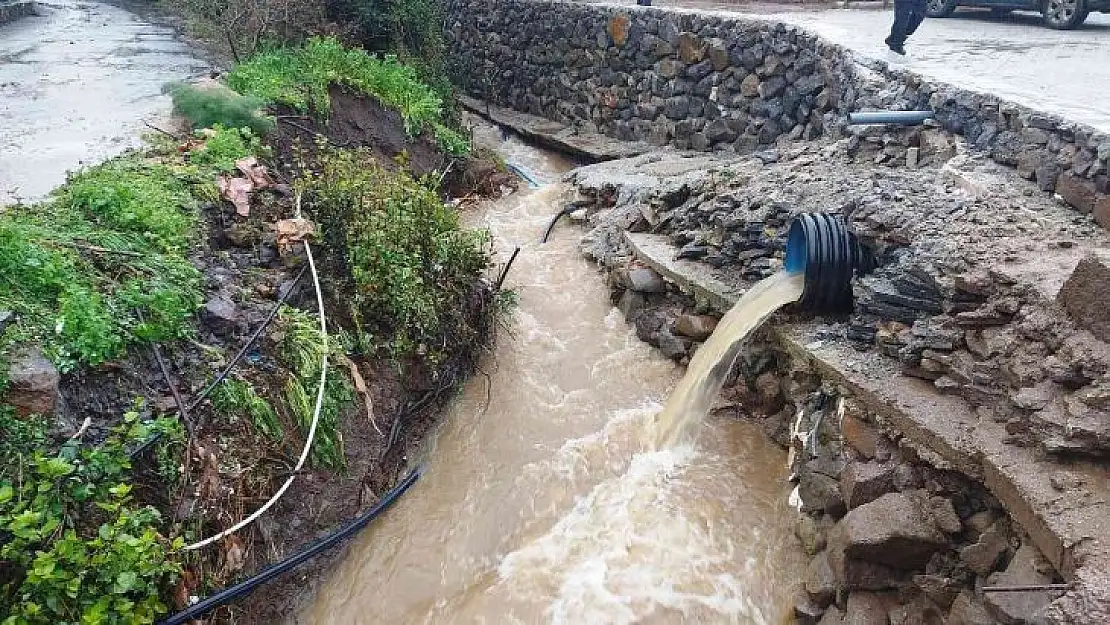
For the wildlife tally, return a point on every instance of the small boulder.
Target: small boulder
(221, 315)
(673, 347)
(863, 482)
(967, 610)
(869, 608)
(1084, 295)
(696, 327)
(646, 280)
(820, 493)
(944, 513)
(1077, 192)
(860, 435)
(33, 383)
(631, 303)
(820, 582)
(984, 554)
(895, 530)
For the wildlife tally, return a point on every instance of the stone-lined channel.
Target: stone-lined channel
(542, 501)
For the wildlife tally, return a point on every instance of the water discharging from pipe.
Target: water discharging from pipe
(557, 502)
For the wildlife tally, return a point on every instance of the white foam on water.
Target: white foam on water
(627, 550)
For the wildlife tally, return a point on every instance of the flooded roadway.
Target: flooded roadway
(77, 81)
(551, 504)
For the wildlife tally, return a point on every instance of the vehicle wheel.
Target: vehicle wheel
(941, 8)
(1064, 14)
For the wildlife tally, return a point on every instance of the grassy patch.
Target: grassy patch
(219, 106)
(299, 77)
(402, 258)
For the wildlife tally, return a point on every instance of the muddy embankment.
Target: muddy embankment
(950, 434)
(256, 325)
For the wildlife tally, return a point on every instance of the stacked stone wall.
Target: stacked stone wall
(709, 82)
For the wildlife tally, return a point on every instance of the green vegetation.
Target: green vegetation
(219, 106)
(101, 265)
(398, 251)
(237, 398)
(223, 146)
(77, 548)
(303, 351)
(299, 77)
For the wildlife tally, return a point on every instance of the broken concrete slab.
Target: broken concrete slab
(1026, 568)
(567, 139)
(1084, 294)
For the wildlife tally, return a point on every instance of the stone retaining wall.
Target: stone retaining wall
(707, 82)
(11, 11)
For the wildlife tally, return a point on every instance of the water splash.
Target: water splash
(691, 400)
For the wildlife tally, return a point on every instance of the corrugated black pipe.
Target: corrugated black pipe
(821, 246)
(228, 595)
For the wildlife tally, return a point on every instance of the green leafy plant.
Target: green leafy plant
(216, 105)
(223, 146)
(77, 548)
(405, 260)
(302, 350)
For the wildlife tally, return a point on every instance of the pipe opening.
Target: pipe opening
(821, 246)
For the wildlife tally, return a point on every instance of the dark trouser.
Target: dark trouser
(908, 15)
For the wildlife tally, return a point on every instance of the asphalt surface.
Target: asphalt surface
(77, 83)
(1014, 57)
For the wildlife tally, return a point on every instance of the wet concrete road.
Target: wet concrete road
(76, 84)
(1014, 57)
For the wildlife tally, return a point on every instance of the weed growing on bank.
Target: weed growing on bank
(397, 250)
(299, 77)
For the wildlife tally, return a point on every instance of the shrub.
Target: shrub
(77, 548)
(219, 106)
(406, 262)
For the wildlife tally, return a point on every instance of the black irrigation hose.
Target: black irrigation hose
(566, 211)
(228, 595)
(231, 365)
(505, 271)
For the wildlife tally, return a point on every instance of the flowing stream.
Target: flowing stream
(561, 490)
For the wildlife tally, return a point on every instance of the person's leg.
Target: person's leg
(899, 31)
(917, 16)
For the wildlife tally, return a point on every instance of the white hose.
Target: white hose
(315, 414)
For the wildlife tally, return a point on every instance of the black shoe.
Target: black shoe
(896, 48)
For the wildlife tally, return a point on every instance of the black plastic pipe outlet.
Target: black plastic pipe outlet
(821, 246)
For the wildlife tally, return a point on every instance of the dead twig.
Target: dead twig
(163, 131)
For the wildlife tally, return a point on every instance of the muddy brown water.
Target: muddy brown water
(547, 498)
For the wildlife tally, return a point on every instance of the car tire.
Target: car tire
(942, 8)
(1064, 14)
